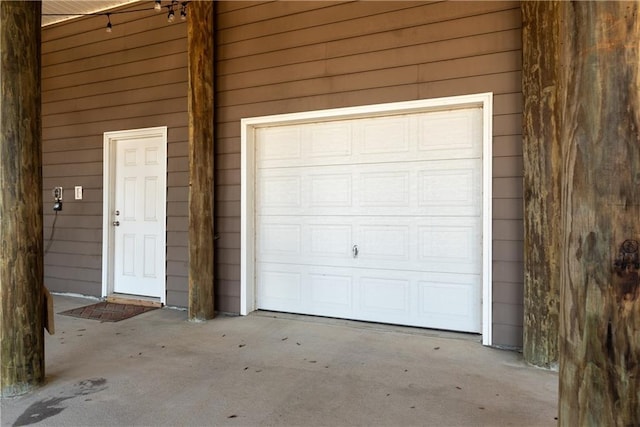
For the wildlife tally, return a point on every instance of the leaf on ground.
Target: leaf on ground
(436, 348)
(241, 345)
(232, 416)
(285, 338)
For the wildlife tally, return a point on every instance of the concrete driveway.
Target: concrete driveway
(273, 369)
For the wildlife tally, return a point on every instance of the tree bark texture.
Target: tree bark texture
(542, 165)
(600, 304)
(21, 241)
(201, 153)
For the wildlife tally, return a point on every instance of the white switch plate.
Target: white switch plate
(78, 192)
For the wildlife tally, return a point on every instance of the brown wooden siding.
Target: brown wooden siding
(287, 57)
(94, 82)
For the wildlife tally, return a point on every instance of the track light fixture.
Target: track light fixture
(183, 11)
(171, 16)
(158, 5)
(109, 26)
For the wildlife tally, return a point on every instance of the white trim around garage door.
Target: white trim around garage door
(248, 191)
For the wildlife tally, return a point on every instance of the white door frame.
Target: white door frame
(108, 197)
(248, 190)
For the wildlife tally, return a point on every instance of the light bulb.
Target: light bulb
(157, 6)
(171, 16)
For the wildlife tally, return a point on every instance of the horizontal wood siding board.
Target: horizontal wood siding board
(282, 98)
(309, 20)
(405, 38)
(81, 287)
(307, 76)
(507, 335)
(88, 275)
(225, 7)
(507, 145)
(114, 51)
(177, 298)
(71, 247)
(508, 250)
(76, 207)
(235, 18)
(82, 156)
(349, 20)
(121, 98)
(98, 128)
(114, 73)
(98, 64)
(507, 313)
(157, 80)
(425, 52)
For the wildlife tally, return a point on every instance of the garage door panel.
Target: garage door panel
(450, 302)
(435, 188)
(279, 143)
(329, 240)
(329, 190)
(438, 135)
(328, 141)
(280, 238)
(384, 136)
(452, 188)
(384, 189)
(386, 242)
(280, 191)
(390, 296)
(330, 291)
(450, 245)
(453, 134)
(279, 287)
(446, 244)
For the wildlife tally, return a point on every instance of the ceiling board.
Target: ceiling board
(69, 8)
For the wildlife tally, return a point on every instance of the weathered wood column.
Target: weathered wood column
(21, 241)
(201, 137)
(542, 165)
(600, 307)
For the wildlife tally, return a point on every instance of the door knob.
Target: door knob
(116, 223)
(355, 251)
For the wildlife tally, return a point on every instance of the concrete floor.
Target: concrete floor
(159, 369)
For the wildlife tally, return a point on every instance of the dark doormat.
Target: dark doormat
(107, 311)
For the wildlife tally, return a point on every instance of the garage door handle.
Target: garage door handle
(355, 251)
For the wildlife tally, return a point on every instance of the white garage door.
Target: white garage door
(376, 219)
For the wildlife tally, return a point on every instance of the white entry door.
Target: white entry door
(376, 219)
(137, 213)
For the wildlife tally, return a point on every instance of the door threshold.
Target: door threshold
(134, 300)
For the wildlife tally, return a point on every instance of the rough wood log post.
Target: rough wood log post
(542, 165)
(21, 241)
(600, 309)
(201, 242)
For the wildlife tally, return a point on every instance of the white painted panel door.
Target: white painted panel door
(139, 217)
(376, 219)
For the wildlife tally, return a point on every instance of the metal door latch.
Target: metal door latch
(116, 223)
(355, 251)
